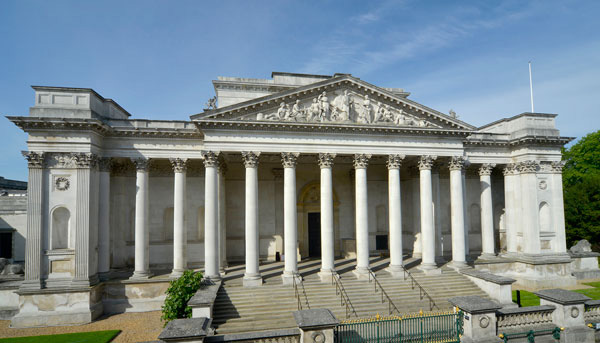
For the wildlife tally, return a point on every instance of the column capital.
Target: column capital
(105, 164)
(486, 169)
(557, 167)
(179, 164)
(395, 161)
(250, 158)
(509, 169)
(529, 166)
(289, 159)
(35, 160)
(326, 160)
(426, 162)
(85, 160)
(141, 164)
(211, 158)
(361, 161)
(457, 163)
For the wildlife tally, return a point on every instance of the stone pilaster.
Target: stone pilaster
(35, 201)
(510, 207)
(221, 177)
(529, 205)
(104, 167)
(558, 206)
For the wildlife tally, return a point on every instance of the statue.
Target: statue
(313, 110)
(281, 112)
(453, 114)
(297, 112)
(399, 118)
(380, 114)
(365, 116)
(324, 102)
(211, 104)
(344, 104)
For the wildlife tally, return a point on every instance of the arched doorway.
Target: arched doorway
(309, 219)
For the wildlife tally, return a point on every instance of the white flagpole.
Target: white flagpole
(531, 88)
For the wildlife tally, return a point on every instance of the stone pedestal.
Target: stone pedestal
(191, 330)
(316, 325)
(569, 313)
(479, 323)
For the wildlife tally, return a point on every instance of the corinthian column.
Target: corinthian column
(510, 208)
(327, 235)
(211, 215)
(558, 207)
(427, 228)
(104, 165)
(529, 207)
(222, 217)
(487, 214)
(456, 166)
(290, 223)
(395, 214)
(361, 161)
(179, 209)
(33, 243)
(252, 276)
(142, 237)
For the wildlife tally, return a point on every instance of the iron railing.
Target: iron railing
(391, 306)
(344, 299)
(297, 292)
(424, 328)
(422, 292)
(531, 334)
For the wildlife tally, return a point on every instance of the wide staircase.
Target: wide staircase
(240, 309)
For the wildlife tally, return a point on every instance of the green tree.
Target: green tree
(180, 291)
(581, 185)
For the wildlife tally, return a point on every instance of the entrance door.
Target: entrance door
(314, 234)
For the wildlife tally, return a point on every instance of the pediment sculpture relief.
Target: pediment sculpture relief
(342, 107)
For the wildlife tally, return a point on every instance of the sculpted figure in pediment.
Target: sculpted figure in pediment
(297, 112)
(364, 116)
(324, 102)
(313, 111)
(281, 111)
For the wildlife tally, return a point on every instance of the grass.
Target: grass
(81, 337)
(530, 299)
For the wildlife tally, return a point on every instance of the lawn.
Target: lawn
(81, 337)
(530, 299)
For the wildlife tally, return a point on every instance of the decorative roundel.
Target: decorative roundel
(543, 185)
(484, 322)
(318, 337)
(574, 312)
(62, 183)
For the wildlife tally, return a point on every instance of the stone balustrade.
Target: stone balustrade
(524, 317)
(592, 311)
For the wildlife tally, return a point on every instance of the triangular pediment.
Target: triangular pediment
(342, 100)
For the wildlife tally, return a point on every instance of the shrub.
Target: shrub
(180, 291)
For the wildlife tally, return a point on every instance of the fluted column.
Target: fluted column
(179, 213)
(33, 243)
(142, 235)
(510, 210)
(427, 225)
(252, 276)
(529, 207)
(104, 165)
(327, 234)
(558, 207)
(361, 161)
(290, 215)
(222, 217)
(457, 210)
(395, 214)
(211, 208)
(487, 214)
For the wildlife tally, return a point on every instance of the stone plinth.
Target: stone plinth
(569, 313)
(202, 302)
(480, 318)
(191, 330)
(316, 325)
(499, 288)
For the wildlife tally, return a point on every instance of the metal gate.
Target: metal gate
(417, 328)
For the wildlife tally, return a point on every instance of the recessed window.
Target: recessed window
(381, 242)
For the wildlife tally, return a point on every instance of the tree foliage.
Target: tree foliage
(180, 291)
(581, 185)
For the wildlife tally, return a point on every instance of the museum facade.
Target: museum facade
(296, 166)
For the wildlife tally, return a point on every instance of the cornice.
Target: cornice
(537, 140)
(33, 124)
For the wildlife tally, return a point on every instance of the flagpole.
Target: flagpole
(531, 88)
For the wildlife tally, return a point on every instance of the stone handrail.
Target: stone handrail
(517, 318)
(271, 336)
(202, 302)
(592, 311)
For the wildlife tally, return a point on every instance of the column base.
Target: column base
(216, 277)
(487, 257)
(326, 275)
(252, 280)
(103, 276)
(458, 265)
(288, 278)
(31, 285)
(141, 275)
(361, 273)
(176, 273)
(430, 269)
(87, 282)
(395, 271)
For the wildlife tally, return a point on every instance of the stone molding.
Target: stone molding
(486, 169)
(141, 163)
(289, 159)
(211, 158)
(394, 161)
(457, 163)
(509, 169)
(105, 164)
(326, 160)
(85, 160)
(250, 158)
(361, 161)
(35, 160)
(426, 162)
(557, 167)
(527, 167)
(179, 164)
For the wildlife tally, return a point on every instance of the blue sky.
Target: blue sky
(157, 58)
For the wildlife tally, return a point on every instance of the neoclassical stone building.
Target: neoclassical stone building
(291, 167)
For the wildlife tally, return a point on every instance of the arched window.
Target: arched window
(61, 229)
(545, 217)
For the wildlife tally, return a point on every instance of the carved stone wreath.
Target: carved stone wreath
(318, 337)
(574, 312)
(62, 183)
(484, 322)
(543, 185)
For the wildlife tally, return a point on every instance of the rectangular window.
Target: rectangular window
(381, 242)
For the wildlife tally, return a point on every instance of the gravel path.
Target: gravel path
(135, 327)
